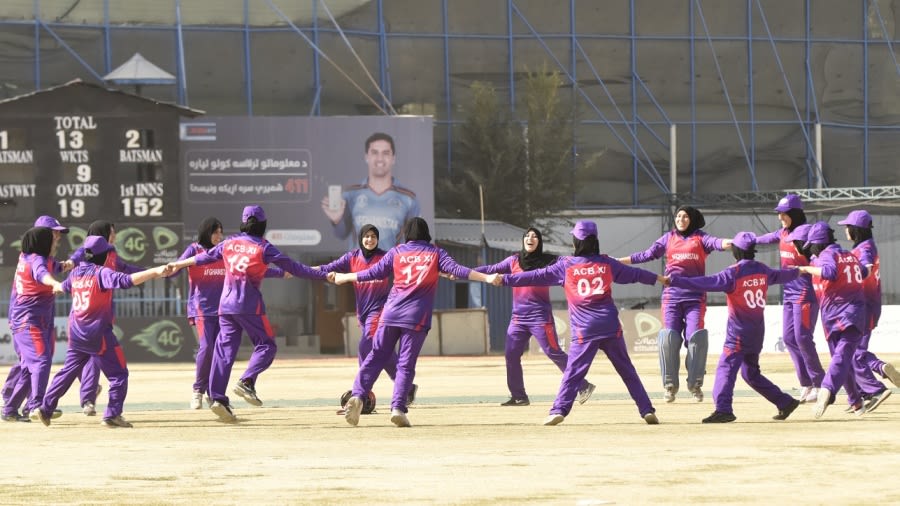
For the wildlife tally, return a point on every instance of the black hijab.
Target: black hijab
(696, 217)
(367, 253)
(101, 228)
(416, 229)
(537, 258)
(207, 228)
(797, 216)
(38, 240)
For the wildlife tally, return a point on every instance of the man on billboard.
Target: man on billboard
(378, 200)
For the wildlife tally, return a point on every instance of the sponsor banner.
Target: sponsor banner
(142, 340)
(641, 328)
(144, 244)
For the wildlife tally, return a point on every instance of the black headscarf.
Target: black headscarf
(537, 258)
(816, 249)
(101, 228)
(696, 217)
(416, 229)
(859, 234)
(797, 216)
(367, 253)
(254, 227)
(590, 245)
(207, 228)
(38, 240)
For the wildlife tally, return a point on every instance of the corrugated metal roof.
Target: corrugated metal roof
(78, 82)
(498, 235)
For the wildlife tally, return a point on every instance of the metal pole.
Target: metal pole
(820, 175)
(673, 160)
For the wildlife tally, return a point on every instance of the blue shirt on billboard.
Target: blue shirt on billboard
(388, 211)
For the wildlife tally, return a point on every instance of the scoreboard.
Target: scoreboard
(87, 167)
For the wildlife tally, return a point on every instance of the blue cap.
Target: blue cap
(858, 218)
(818, 234)
(96, 245)
(50, 222)
(744, 240)
(800, 233)
(790, 201)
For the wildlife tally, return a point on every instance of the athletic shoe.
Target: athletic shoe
(858, 409)
(15, 417)
(697, 394)
(651, 419)
(39, 415)
(116, 422)
(813, 395)
(805, 393)
(246, 390)
(554, 419)
(720, 417)
(411, 395)
(197, 400)
(786, 412)
(352, 410)
(671, 390)
(823, 400)
(877, 399)
(88, 409)
(399, 418)
(889, 372)
(56, 414)
(517, 402)
(223, 411)
(585, 394)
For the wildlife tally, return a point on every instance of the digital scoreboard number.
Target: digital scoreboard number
(85, 167)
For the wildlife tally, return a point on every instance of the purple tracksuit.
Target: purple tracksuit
(746, 284)
(205, 284)
(843, 312)
(90, 375)
(91, 335)
(867, 254)
(370, 299)
(406, 317)
(683, 310)
(241, 307)
(532, 315)
(594, 320)
(799, 312)
(31, 323)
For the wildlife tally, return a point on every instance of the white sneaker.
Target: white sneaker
(554, 419)
(697, 393)
(399, 418)
(822, 403)
(651, 419)
(813, 395)
(223, 411)
(890, 372)
(197, 400)
(804, 394)
(88, 409)
(584, 395)
(352, 410)
(669, 396)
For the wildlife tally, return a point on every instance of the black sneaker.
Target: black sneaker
(15, 417)
(248, 392)
(786, 412)
(517, 402)
(223, 411)
(720, 417)
(411, 395)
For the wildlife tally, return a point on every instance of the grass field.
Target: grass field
(463, 447)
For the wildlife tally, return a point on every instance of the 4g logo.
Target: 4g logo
(132, 244)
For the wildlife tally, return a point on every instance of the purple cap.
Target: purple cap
(96, 245)
(584, 228)
(50, 222)
(790, 201)
(858, 218)
(818, 234)
(744, 240)
(254, 211)
(800, 233)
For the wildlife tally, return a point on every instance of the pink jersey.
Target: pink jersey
(92, 311)
(530, 304)
(31, 301)
(370, 295)
(867, 253)
(685, 256)
(799, 290)
(842, 303)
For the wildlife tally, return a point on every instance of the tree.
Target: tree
(524, 167)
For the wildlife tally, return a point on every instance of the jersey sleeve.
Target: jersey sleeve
(342, 264)
(448, 265)
(655, 251)
(626, 274)
(721, 282)
(503, 267)
(273, 255)
(769, 238)
(551, 275)
(381, 270)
